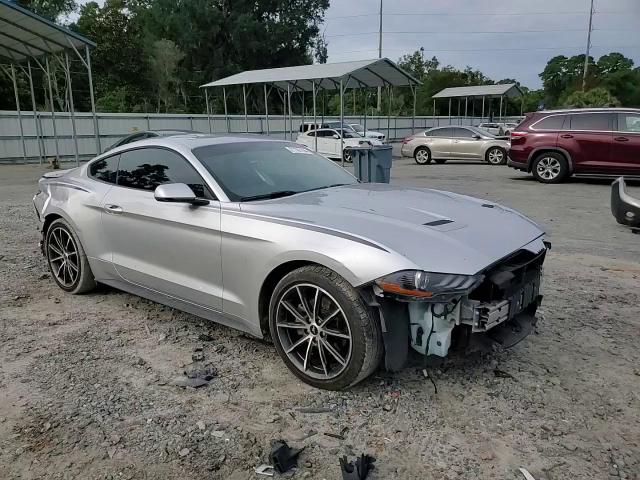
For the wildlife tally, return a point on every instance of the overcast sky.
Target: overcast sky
(541, 29)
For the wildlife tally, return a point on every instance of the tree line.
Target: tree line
(153, 55)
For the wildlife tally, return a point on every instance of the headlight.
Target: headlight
(427, 285)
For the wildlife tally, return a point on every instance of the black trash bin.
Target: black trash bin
(372, 163)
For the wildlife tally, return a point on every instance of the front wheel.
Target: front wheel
(322, 330)
(347, 156)
(496, 156)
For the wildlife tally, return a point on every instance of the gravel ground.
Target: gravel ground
(86, 392)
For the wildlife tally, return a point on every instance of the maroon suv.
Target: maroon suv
(553, 145)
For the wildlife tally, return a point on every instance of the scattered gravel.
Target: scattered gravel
(86, 382)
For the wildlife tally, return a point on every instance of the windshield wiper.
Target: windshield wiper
(326, 186)
(264, 196)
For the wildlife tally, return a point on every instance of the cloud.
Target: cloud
(527, 34)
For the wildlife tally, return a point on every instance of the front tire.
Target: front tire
(67, 260)
(347, 156)
(496, 156)
(322, 329)
(550, 167)
(422, 155)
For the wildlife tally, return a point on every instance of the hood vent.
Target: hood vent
(437, 223)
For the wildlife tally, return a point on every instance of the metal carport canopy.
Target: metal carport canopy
(23, 34)
(361, 73)
(498, 90)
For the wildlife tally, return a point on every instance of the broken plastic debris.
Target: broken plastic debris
(185, 382)
(357, 470)
(266, 470)
(526, 474)
(283, 457)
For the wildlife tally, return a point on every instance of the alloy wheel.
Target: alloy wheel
(313, 331)
(347, 156)
(495, 156)
(422, 156)
(63, 256)
(548, 168)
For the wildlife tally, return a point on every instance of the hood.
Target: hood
(438, 231)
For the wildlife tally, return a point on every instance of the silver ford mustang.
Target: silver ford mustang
(270, 238)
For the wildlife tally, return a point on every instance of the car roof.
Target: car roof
(593, 109)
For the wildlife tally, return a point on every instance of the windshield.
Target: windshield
(358, 128)
(257, 170)
(481, 131)
(349, 133)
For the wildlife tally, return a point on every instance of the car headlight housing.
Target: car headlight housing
(427, 286)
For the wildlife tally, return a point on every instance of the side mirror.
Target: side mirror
(336, 136)
(177, 193)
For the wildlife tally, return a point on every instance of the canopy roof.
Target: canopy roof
(361, 73)
(506, 89)
(24, 34)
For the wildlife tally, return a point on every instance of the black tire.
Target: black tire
(496, 156)
(83, 281)
(440, 161)
(550, 167)
(347, 156)
(422, 155)
(366, 347)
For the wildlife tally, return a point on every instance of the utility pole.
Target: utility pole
(380, 56)
(586, 57)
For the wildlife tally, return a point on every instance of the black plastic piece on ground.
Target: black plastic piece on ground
(283, 458)
(357, 470)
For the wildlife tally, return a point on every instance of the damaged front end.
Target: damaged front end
(435, 313)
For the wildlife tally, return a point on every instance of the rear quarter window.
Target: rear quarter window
(105, 169)
(553, 122)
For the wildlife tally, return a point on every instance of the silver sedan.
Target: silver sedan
(270, 238)
(455, 143)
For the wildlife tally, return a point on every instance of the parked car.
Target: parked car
(497, 128)
(367, 133)
(554, 145)
(455, 143)
(625, 208)
(270, 238)
(329, 141)
(134, 137)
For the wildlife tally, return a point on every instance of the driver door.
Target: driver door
(464, 146)
(171, 248)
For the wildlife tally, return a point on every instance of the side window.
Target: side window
(443, 132)
(629, 122)
(553, 122)
(146, 168)
(105, 169)
(462, 133)
(311, 133)
(590, 121)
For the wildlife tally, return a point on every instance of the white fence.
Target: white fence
(112, 126)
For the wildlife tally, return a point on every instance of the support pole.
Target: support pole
(96, 127)
(315, 125)
(414, 90)
(303, 108)
(284, 114)
(266, 108)
(434, 112)
(226, 114)
(35, 113)
(482, 117)
(341, 123)
(500, 111)
(71, 108)
(449, 110)
(246, 117)
(53, 109)
(290, 114)
(15, 92)
(466, 104)
(366, 105)
(206, 100)
(389, 114)
(459, 117)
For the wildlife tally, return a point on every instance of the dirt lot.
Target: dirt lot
(85, 381)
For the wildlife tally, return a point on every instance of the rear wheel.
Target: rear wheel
(496, 156)
(422, 155)
(66, 258)
(550, 167)
(322, 330)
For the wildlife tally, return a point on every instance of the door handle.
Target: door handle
(621, 139)
(566, 135)
(113, 209)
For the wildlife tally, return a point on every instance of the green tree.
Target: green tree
(52, 9)
(164, 57)
(596, 97)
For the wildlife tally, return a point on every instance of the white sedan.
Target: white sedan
(329, 141)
